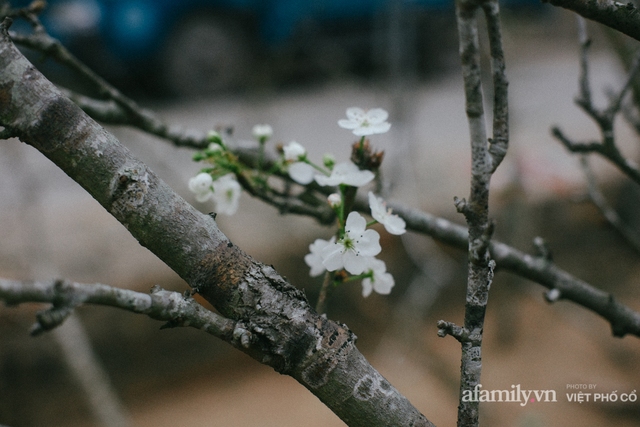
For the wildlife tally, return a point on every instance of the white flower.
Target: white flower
(314, 258)
(346, 173)
(334, 200)
(301, 172)
(363, 123)
(392, 223)
(214, 147)
(226, 194)
(293, 151)
(353, 250)
(262, 132)
(381, 282)
(201, 186)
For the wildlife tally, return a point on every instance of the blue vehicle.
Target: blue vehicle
(201, 46)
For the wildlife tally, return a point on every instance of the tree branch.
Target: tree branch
(605, 118)
(623, 17)
(285, 333)
(485, 158)
(539, 269)
(172, 307)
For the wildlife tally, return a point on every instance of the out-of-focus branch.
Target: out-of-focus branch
(604, 118)
(597, 198)
(539, 269)
(115, 108)
(623, 17)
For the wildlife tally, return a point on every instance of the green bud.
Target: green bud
(329, 161)
(215, 137)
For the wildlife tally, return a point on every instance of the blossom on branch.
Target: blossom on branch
(379, 211)
(294, 151)
(299, 170)
(353, 250)
(381, 281)
(226, 194)
(346, 173)
(314, 257)
(262, 132)
(201, 185)
(363, 123)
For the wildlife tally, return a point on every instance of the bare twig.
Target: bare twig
(628, 233)
(604, 118)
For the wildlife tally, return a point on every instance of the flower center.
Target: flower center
(349, 244)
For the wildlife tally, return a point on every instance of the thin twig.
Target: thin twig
(604, 118)
(628, 233)
(172, 307)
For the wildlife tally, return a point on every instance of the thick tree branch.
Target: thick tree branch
(623, 17)
(284, 331)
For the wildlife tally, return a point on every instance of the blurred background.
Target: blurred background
(297, 65)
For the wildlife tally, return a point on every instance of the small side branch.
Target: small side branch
(604, 118)
(499, 143)
(172, 307)
(597, 198)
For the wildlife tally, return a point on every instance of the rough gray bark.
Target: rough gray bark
(274, 322)
(486, 155)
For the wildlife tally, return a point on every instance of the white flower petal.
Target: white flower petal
(356, 114)
(369, 243)
(226, 194)
(293, 151)
(314, 258)
(348, 124)
(262, 131)
(377, 115)
(356, 224)
(301, 172)
(358, 179)
(354, 263)
(395, 225)
(346, 173)
(367, 287)
(332, 255)
(200, 183)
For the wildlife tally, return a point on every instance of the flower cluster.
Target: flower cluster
(217, 183)
(355, 247)
(351, 253)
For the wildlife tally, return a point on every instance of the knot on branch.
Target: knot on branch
(449, 328)
(542, 249)
(553, 295)
(64, 302)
